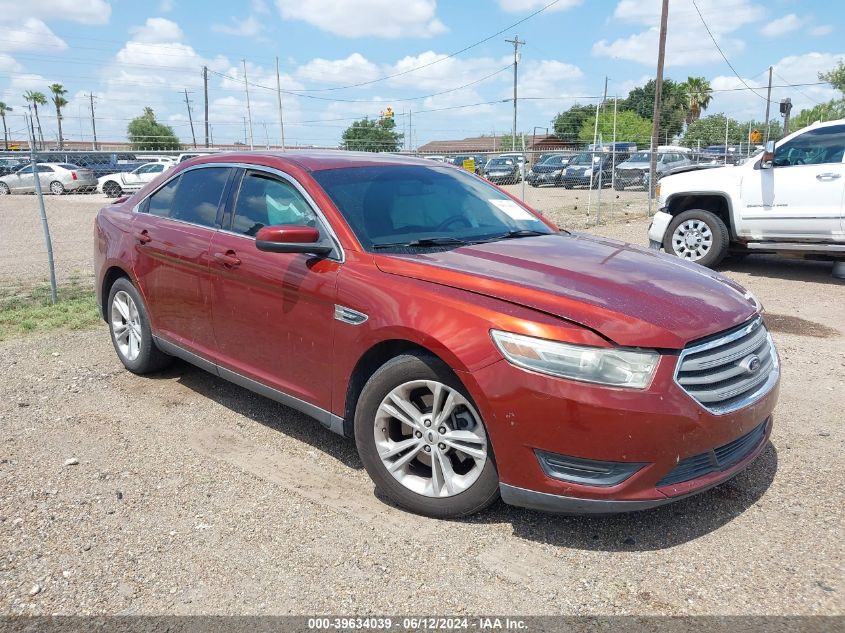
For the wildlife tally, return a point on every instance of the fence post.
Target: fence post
(43, 212)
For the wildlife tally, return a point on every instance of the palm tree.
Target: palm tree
(3, 110)
(699, 95)
(36, 99)
(59, 100)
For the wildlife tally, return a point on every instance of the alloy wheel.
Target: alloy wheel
(692, 240)
(57, 188)
(430, 438)
(126, 325)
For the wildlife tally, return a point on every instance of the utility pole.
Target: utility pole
(516, 44)
(93, 123)
(785, 110)
(266, 137)
(205, 93)
(411, 130)
(190, 118)
(279, 95)
(42, 212)
(248, 110)
(768, 103)
(658, 97)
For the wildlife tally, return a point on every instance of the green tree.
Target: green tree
(835, 77)
(568, 124)
(145, 132)
(59, 101)
(36, 99)
(673, 106)
(372, 135)
(833, 109)
(3, 110)
(710, 130)
(698, 95)
(630, 127)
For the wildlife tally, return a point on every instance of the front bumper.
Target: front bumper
(658, 427)
(659, 224)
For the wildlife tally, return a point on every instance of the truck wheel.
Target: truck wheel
(697, 236)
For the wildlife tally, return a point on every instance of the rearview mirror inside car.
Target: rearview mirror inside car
(291, 239)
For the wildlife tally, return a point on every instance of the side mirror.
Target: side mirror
(768, 160)
(291, 239)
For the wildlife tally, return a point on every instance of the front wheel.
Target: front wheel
(57, 188)
(697, 236)
(422, 440)
(4, 189)
(112, 189)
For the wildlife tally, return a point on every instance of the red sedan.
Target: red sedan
(470, 347)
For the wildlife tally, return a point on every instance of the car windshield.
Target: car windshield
(395, 206)
(584, 158)
(554, 160)
(640, 157)
(68, 166)
(500, 162)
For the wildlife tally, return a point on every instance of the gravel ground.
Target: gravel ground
(191, 496)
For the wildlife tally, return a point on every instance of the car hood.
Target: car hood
(633, 296)
(640, 166)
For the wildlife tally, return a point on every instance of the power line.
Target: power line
(801, 91)
(719, 48)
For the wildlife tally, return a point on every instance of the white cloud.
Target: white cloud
(687, 41)
(548, 78)
(782, 26)
(82, 11)
(446, 73)
(824, 29)
(353, 69)
(8, 64)
(260, 7)
(523, 6)
(248, 27)
(165, 6)
(157, 31)
(31, 35)
(374, 18)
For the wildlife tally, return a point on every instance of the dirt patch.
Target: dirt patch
(796, 325)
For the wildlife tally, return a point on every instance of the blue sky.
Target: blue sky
(130, 54)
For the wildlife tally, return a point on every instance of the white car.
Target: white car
(115, 185)
(787, 199)
(57, 178)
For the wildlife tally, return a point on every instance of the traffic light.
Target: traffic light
(388, 113)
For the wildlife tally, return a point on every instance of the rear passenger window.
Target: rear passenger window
(192, 197)
(267, 201)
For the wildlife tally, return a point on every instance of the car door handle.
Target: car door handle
(828, 176)
(144, 237)
(227, 259)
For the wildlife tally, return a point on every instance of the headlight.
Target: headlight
(557, 172)
(605, 366)
(588, 171)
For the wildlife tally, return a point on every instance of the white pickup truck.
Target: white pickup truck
(786, 200)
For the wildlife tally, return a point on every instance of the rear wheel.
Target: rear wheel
(697, 236)
(422, 440)
(4, 189)
(129, 325)
(57, 188)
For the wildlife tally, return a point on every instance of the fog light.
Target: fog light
(586, 472)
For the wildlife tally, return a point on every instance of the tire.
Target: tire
(4, 189)
(139, 353)
(697, 236)
(112, 189)
(618, 185)
(412, 379)
(57, 188)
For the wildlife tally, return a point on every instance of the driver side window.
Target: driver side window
(815, 147)
(264, 200)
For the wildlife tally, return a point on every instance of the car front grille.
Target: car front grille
(717, 460)
(730, 371)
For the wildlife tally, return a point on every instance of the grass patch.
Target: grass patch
(30, 311)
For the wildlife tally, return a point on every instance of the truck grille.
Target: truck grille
(716, 460)
(730, 371)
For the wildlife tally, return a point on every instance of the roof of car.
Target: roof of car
(318, 160)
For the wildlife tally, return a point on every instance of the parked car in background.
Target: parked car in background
(786, 200)
(542, 158)
(636, 170)
(503, 170)
(55, 178)
(549, 172)
(11, 165)
(470, 347)
(115, 185)
(479, 159)
(588, 169)
(100, 163)
(188, 155)
(437, 158)
(170, 160)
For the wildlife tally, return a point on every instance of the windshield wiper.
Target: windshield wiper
(515, 234)
(424, 242)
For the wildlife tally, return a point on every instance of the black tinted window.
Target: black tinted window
(193, 197)
(267, 201)
(815, 147)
